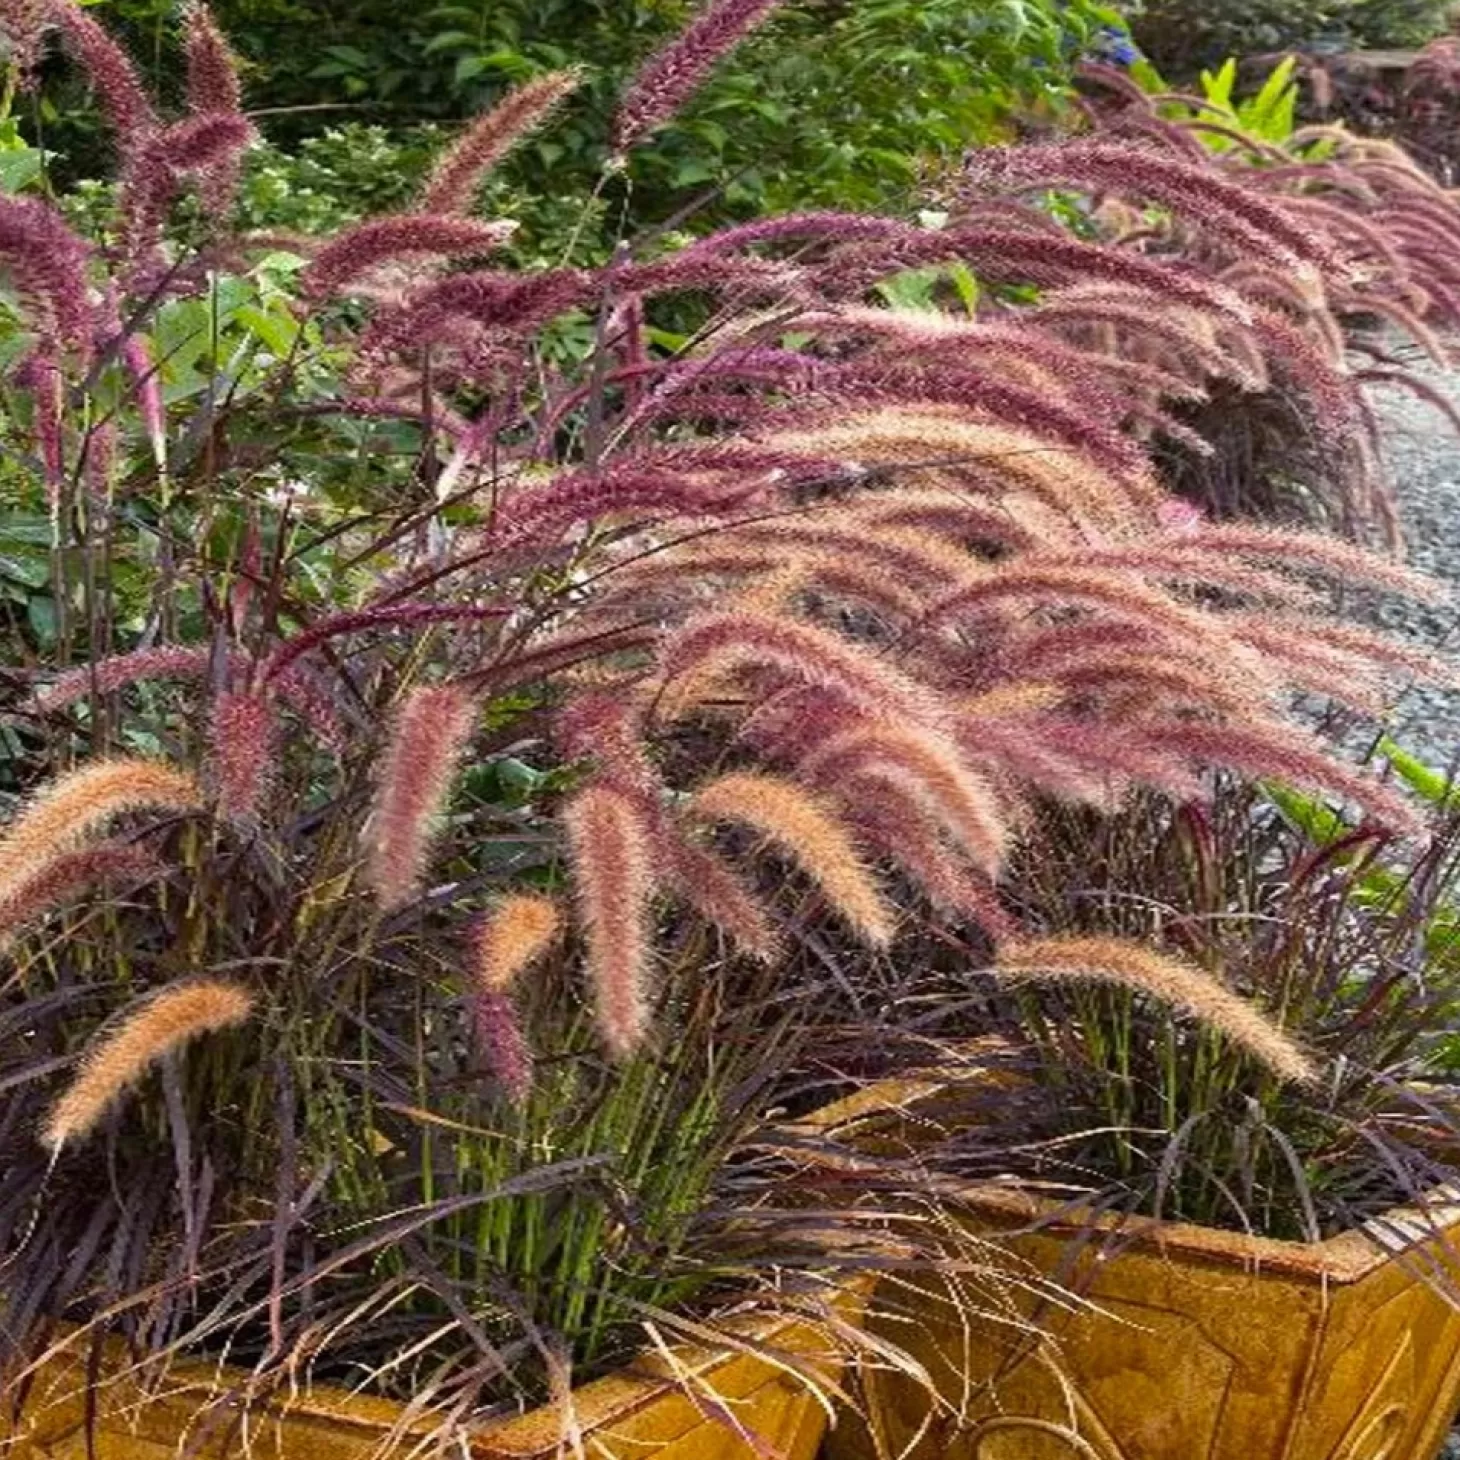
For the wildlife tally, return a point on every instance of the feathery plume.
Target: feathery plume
(48, 266)
(1285, 753)
(1333, 558)
(515, 935)
(668, 79)
(430, 733)
(708, 885)
(66, 811)
(501, 1042)
(930, 444)
(721, 643)
(69, 875)
(455, 179)
(117, 1058)
(517, 932)
(117, 671)
(610, 848)
(803, 829)
(917, 847)
(929, 773)
(39, 373)
(147, 381)
(1199, 193)
(207, 147)
(212, 73)
(110, 70)
(242, 733)
(23, 25)
(356, 250)
(403, 615)
(1171, 980)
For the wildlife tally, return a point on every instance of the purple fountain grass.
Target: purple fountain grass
(951, 887)
(454, 181)
(720, 642)
(398, 616)
(428, 737)
(1171, 980)
(931, 778)
(1185, 342)
(610, 849)
(207, 147)
(805, 830)
(896, 575)
(119, 1056)
(107, 676)
(508, 306)
(69, 809)
(518, 933)
(112, 865)
(413, 236)
(212, 73)
(711, 887)
(1246, 222)
(935, 445)
(110, 70)
(501, 1042)
(673, 74)
(541, 513)
(23, 26)
(48, 266)
(1271, 749)
(242, 747)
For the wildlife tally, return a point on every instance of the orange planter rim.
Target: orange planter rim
(1346, 1258)
(602, 1404)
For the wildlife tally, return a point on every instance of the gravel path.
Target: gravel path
(1423, 452)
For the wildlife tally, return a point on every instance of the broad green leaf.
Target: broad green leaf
(1431, 786)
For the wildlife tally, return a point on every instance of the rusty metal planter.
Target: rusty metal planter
(652, 1408)
(1191, 1343)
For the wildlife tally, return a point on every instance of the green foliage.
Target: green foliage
(1267, 115)
(1387, 886)
(835, 104)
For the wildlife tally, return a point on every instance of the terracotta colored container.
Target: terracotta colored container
(652, 1408)
(1191, 1343)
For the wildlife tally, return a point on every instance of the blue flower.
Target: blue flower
(1114, 46)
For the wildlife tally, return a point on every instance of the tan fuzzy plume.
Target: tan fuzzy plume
(430, 734)
(453, 183)
(519, 930)
(1171, 980)
(798, 824)
(120, 1056)
(609, 842)
(64, 813)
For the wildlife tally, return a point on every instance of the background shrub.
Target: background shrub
(1183, 36)
(836, 104)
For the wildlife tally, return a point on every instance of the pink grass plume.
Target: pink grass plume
(454, 182)
(430, 733)
(610, 847)
(672, 75)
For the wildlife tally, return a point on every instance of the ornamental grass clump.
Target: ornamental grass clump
(526, 687)
(1238, 1013)
(1322, 238)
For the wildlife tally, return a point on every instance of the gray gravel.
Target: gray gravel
(1423, 453)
